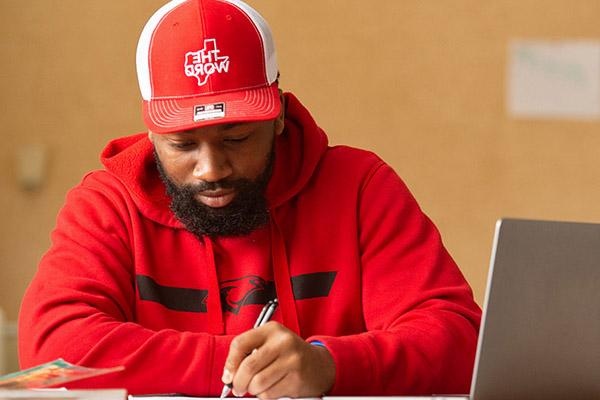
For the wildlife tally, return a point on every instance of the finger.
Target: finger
(252, 365)
(241, 346)
(279, 389)
(266, 378)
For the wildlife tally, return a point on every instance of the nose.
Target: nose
(212, 164)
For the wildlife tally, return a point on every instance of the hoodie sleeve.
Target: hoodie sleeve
(422, 322)
(80, 302)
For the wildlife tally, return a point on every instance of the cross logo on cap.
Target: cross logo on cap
(203, 63)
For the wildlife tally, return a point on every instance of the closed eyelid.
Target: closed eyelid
(239, 137)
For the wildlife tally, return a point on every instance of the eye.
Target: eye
(237, 139)
(181, 145)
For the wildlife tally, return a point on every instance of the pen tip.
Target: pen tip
(225, 392)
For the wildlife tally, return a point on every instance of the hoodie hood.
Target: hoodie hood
(298, 151)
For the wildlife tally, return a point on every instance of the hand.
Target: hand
(271, 362)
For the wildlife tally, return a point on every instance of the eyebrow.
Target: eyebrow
(231, 125)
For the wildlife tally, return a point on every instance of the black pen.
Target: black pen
(264, 317)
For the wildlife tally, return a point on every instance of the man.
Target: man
(162, 261)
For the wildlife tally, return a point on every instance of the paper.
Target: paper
(399, 398)
(168, 397)
(158, 397)
(50, 374)
(177, 397)
(554, 79)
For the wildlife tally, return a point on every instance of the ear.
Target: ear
(151, 136)
(280, 120)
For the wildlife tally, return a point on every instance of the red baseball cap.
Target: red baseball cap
(206, 62)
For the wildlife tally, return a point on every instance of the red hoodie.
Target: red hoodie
(353, 260)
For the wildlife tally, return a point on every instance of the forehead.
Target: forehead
(219, 129)
(243, 125)
(212, 128)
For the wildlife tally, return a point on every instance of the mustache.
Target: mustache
(212, 186)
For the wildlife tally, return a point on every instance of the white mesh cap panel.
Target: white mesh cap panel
(266, 35)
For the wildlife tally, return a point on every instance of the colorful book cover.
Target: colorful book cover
(51, 374)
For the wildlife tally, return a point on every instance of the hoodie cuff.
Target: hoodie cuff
(220, 352)
(355, 366)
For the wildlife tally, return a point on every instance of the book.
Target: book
(63, 394)
(50, 374)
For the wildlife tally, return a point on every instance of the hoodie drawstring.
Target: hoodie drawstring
(283, 282)
(213, 301)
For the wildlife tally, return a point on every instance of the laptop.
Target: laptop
(540, 332)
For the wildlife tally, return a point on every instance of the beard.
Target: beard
(245, 213)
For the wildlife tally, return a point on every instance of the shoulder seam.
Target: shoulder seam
(370, 175)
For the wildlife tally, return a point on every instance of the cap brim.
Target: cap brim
(173, 114)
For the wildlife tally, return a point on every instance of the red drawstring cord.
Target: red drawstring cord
(213, 302)
(283, 282)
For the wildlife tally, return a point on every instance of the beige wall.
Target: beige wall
(420, 82)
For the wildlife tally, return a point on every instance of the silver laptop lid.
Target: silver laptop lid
(540, 333)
